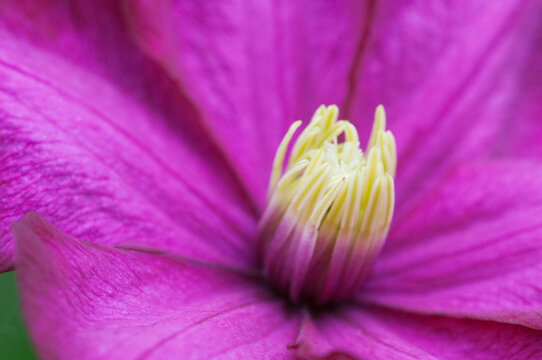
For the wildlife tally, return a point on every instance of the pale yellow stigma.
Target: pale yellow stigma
(332, 178)
(332, 197)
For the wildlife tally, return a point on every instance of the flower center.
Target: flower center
(329, 209)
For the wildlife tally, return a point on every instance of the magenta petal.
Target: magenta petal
(524, 131)
(253, 68)
(451, 75)
(376, 334)
(95, 162)
(89, 34)
(88, 301)
(471, 249)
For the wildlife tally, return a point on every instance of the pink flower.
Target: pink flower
(147, 130)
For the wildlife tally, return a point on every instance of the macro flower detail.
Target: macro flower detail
(141, 206)
(328, 215)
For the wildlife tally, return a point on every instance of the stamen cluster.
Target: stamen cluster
(329, 209)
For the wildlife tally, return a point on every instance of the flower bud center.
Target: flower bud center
(329, 209)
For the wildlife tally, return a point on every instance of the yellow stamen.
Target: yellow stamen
(345, 197)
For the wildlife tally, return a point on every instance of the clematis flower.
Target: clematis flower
(145, 133)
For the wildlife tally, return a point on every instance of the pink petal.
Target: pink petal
(372, 333)
(253, 68)
(93, 35)
(88, 301)
(451, 75)
(471, 249)
(524, 130)
(98, 163)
